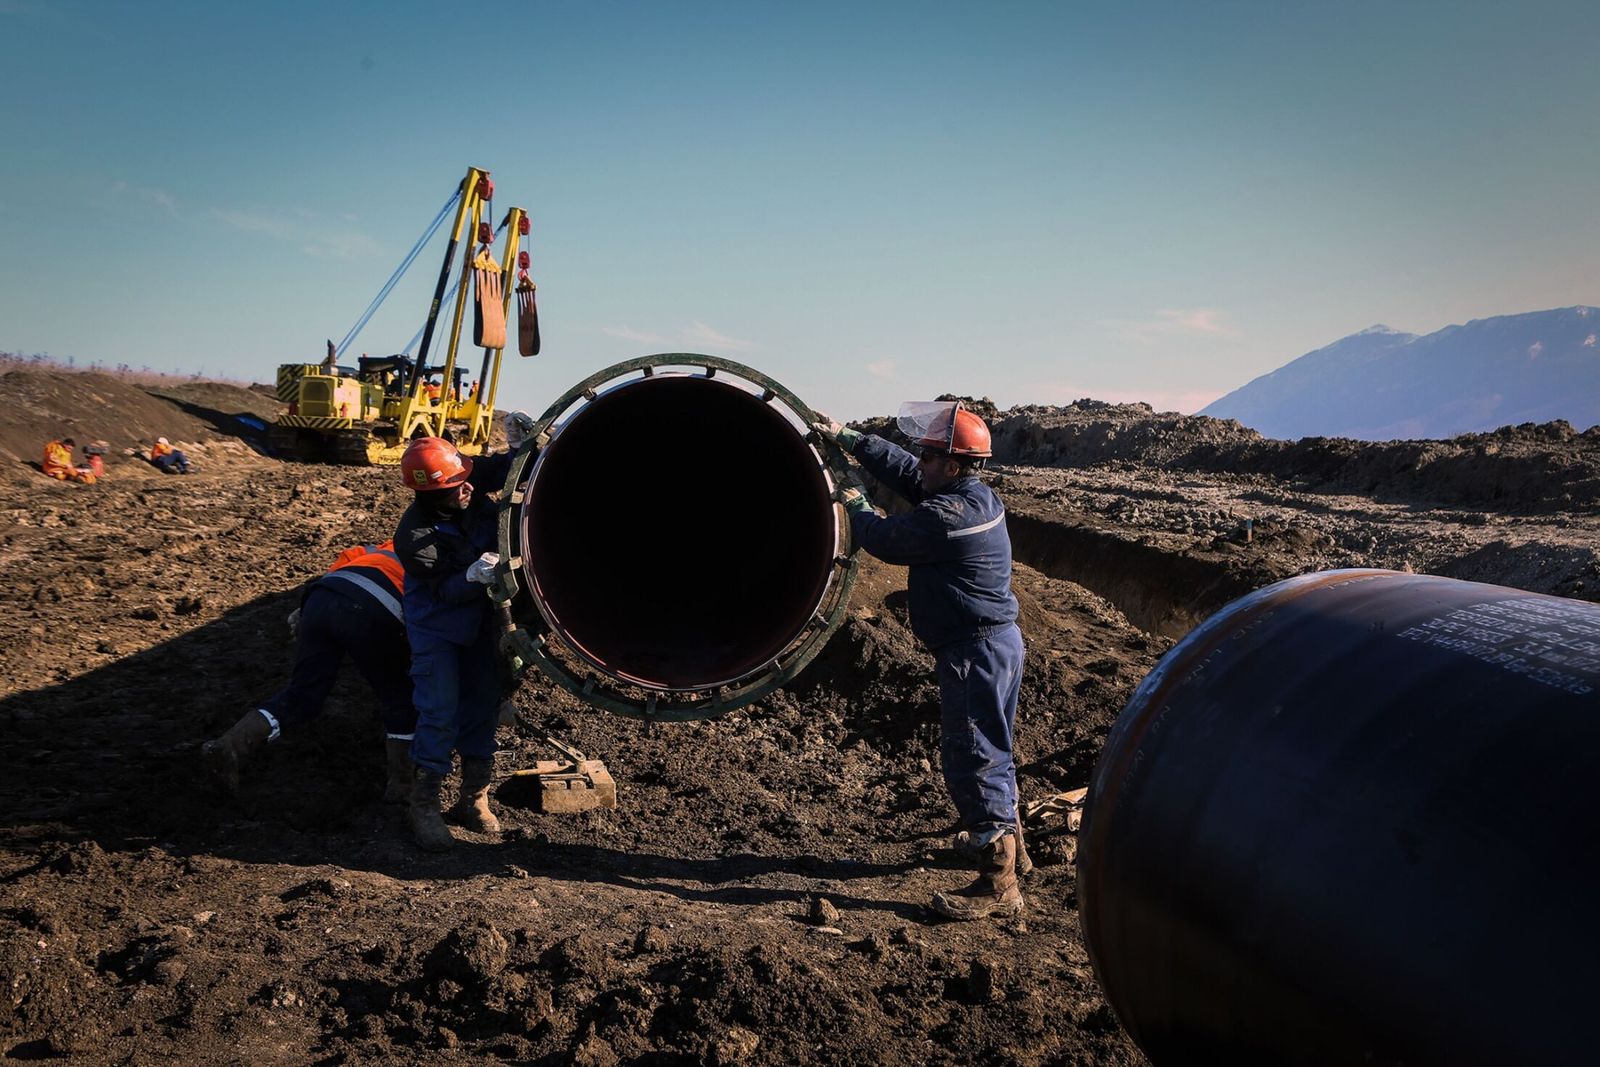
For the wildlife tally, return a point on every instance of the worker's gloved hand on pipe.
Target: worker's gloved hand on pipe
(855, 500)
(482, 569)
(519, 427)
(835, 431)
(294, 623)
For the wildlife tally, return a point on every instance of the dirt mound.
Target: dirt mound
(211, 422)
(245, 405)
(1521, 469)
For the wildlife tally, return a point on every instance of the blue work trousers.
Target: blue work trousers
(333, 626)
(174, 462)
(978, 685)
(457, 690)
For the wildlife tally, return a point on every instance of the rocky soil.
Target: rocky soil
(757, 897)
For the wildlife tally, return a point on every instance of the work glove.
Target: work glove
(843, 435)
(855, 500)
(294, 623)
(519, 427)
(482, 569)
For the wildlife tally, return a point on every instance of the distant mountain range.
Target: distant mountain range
(1382, 384)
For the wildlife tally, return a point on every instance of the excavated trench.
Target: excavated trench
(1158, 591)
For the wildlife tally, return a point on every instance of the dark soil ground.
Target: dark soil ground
(145, 917)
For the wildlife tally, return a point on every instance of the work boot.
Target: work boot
(223, 757)
(472, 809)
(422, 812)
(993, 893)
(964, 847)
(397, 790)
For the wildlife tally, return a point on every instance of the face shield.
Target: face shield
(928, 422)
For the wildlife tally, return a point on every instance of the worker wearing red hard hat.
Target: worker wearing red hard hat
(958, 552)
(445, 542)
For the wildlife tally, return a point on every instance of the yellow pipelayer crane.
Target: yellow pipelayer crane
(365, 414)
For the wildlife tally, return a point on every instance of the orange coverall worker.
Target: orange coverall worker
(58, 464)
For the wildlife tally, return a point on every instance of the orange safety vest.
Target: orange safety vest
(376, 570)
(58, 460)
(158, 450)
(58, 464)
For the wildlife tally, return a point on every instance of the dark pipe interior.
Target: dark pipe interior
(678, 531)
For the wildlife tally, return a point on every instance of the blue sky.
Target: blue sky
(868, 202)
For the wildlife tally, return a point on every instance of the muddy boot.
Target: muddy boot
(1024, 864)
(472, 810)
(223, 756)
(397, 790)
(962, 843)
(422, 812)
(993, 893)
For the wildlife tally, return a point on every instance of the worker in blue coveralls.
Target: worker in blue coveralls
(445, 542)
(955, 543)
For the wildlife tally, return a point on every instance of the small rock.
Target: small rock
(188, 605)
(594, 1052)
(903, 935)
(470, 954)
(280, 997)
(513, 871)
(650, 939)
(984, 981)
(823, 913)
(203, 917)
(168, 972)
(735, 1046)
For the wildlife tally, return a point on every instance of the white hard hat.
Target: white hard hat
(162, 441)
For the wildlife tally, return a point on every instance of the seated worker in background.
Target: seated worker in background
(94, 458)
(958, 552)
(168, 459)
(58, 462)
(352, 610)
(434, 390)
(445, 542)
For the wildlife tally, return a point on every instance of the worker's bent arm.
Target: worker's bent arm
(904, 540)
(424, 560)
(891, 465)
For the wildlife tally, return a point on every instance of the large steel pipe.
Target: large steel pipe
(676, 531)
(1351, 819)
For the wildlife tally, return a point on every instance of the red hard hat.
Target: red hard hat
(969, 438)
(433, 463)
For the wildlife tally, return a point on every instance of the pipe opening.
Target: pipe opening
(677, 532)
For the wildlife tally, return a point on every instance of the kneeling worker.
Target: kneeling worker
(353, 610)
(962, 608)
(445, 541)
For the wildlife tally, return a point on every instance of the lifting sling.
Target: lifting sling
(527, 315)
(489, 318)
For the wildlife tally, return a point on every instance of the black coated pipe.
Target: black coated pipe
(1351, 819)
(678, 532)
